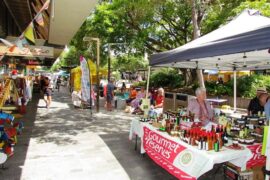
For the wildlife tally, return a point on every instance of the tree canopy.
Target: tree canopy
(150, 26)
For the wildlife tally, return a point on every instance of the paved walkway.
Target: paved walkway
(63, 143)
(67, 143)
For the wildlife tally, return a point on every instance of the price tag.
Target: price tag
(222, 120)
(241, 133)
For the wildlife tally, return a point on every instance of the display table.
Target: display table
(181, 159)
(231, 113)
(217, 100)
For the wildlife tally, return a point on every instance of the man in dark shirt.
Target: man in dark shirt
(110, 94)
(254, 105)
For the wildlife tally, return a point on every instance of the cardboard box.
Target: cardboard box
(258, 173)
(232, 174)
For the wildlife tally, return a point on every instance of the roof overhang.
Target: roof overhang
(66, 18)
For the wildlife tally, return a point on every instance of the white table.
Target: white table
(231, 113)
(217, 100)
(203, 161)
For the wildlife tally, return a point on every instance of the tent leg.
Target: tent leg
(148, 79)
(234, 90)
(267, 167)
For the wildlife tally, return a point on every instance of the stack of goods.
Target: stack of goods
(8, 133)
(194, 134)
(247, 130)
(205, 140)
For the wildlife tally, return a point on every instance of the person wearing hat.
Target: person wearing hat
(265, 102)
(254, 105)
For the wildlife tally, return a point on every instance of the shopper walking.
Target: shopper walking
(47, 92)
(110, 94)
(58, 83)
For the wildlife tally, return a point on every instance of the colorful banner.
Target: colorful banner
(29, 33)
(39, 19)
(6, 42)
(85, 80)
(257, 159)
(45, 5)
(176, 159)
(21, 42)
(1, 57)
(30, 51)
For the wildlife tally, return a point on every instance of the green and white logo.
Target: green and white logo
(186, 158)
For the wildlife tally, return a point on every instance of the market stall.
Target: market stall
(76, 81)
(187, 150)
(244, 48)
(76, 73)
(9, 127)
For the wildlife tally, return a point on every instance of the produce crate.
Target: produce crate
(233, 174)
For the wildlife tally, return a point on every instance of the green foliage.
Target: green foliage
(222, 11)
(219, 13)
(128, 63)
(169, 78)
(55, 67)
(116, 75)
(215, 89)
(140, 84)
(150, 26)
(246, 86)
(262, 5)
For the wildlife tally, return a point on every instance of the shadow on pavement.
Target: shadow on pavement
(15, 163)
(137, 166)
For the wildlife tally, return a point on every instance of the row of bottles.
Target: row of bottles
(211, 140)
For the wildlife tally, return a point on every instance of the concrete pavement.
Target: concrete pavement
(69, 144)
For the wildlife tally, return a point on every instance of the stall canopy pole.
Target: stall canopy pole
(267, 154)
(267, 166)
(148, 79)
(234, 90)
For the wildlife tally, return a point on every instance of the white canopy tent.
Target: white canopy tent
(242, 44)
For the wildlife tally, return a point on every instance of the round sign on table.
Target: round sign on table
(3, 158)
(186, 158)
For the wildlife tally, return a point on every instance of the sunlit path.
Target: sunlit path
(64, 145)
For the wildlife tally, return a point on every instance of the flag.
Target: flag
(85, 80)
(29, 33)
(1, 57)
(10, 45)
(6, 42)
(45, 5)
(39, 19)
(12, 48)
(21, 42)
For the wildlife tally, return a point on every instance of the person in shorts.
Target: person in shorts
(110, 94)
(47, 92)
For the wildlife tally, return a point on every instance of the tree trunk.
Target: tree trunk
(196, 34)
(189, 76)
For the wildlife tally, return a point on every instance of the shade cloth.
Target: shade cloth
(242, 44)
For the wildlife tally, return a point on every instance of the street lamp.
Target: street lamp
(88, 39)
